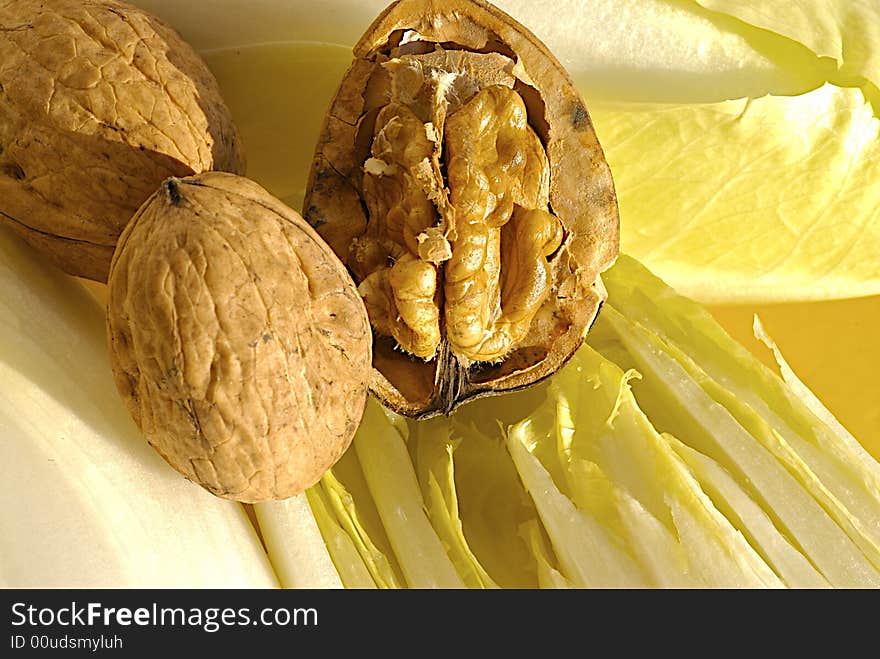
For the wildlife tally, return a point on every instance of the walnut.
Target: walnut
(459, 178)
(238, 340)
(99, 103)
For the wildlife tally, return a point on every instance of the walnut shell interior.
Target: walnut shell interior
(459, 178)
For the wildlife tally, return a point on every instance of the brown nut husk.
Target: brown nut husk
(99, 103)
(238, 340)
(459, 178)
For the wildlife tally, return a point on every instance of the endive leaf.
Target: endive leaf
(810, 442)
(654, 50)
(828, 480)
(646, 49)
(393, 485)
(591, 557)
(656, 547)
(548, 575)
(435, 469)
(797, 457)
(335, 509)
(774, 198)
(843, 371)
(845, 30)
(343, 548)
(294, 543)
(494, 504)
(650, 481)
(676, 402)
(741, 510)
(814, 405)
(87, 503)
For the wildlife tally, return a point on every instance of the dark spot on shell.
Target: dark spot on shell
(314, 221)
(172, 190)
(13, 170)
(579, 117)
(267, 338)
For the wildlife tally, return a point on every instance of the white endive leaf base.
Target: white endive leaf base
(86, 502)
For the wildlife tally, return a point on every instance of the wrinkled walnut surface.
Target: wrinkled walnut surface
(459, 178)
(238, 340)
(99, 103)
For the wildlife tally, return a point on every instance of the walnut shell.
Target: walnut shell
(99, 103)
(238, 340)
(459, 178)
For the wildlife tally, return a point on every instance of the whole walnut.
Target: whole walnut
(459, 178)
(237, 338)
(99, 103)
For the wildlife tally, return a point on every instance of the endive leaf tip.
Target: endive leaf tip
(622, 390)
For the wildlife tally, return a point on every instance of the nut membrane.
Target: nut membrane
(459, 178)
(238, 340)
(99, 103)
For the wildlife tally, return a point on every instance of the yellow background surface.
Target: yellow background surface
(833, 346)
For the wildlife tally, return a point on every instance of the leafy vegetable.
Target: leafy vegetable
(88, 502)
(548, 575)
(656, 50)
(848, 444)
(846, 30)
(390, 476)
(352, 553)
(754, 489)
(700, 387)
(732, 500)
(302, 564)
(810, 444)
(771, 198)
(436, 473)
(589, 554)
(495, 510)
(608, 427)
(677, 403)
(337, 513)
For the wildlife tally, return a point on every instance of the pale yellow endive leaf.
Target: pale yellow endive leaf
(845, 30)
(644, 49)
(654, 50)
(770, 199)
